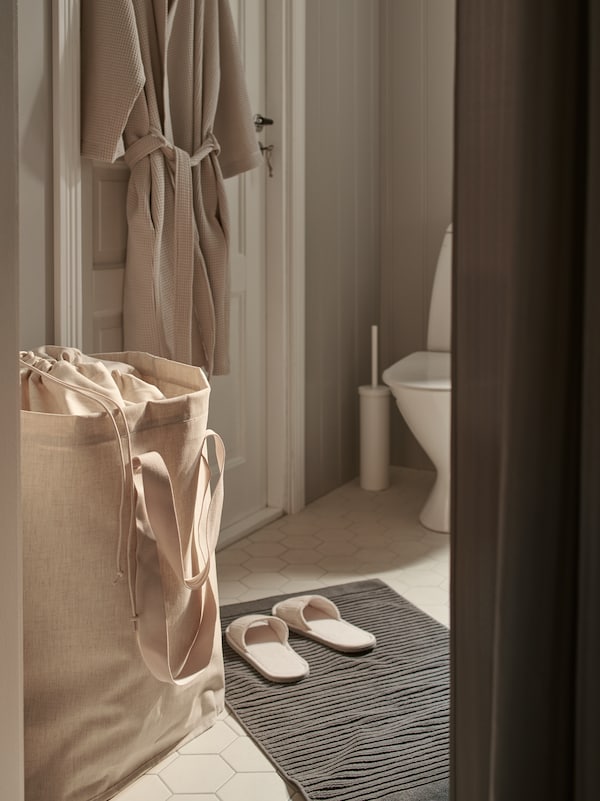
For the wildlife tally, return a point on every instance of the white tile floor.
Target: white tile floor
(348, 535)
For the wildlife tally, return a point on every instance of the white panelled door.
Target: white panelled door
(238, 400)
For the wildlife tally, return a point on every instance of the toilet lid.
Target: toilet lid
(421, 370)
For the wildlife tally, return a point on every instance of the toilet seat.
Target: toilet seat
(421, 370)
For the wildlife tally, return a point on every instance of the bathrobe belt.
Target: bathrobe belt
(180, 162)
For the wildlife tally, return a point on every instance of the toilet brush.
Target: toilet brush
(374, 427)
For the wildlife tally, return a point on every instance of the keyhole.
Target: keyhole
(266, 150)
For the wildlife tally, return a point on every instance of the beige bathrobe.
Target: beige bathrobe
(163, 86)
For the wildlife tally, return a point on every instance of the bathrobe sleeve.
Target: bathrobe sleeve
(112, 75)
(233, 126)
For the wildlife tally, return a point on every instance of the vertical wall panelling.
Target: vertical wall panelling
(417, 70)
(367, 189)
(316, 232)
(347, 234)
(35, 173)
(342, 227)
(68, 323)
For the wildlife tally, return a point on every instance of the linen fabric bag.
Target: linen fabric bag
(122, 644)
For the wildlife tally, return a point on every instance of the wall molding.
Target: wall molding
(68, 297)
(296, 264)
(342, 231)
(286, 339)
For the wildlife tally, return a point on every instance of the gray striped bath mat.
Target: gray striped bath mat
(361, 727)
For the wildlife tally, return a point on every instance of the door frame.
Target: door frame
(11, 547)
(285, 298)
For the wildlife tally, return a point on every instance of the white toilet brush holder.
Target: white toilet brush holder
(374, 437)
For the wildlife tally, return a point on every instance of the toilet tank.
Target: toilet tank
(439, 331)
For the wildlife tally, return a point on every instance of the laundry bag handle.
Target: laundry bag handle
(175, 640)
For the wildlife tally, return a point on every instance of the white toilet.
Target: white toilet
(422, 387)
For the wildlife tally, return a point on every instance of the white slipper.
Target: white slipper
(262, 641)
(319, 618)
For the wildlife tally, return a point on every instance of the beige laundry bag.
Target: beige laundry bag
(122, 646)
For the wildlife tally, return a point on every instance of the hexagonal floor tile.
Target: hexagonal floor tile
(303, 542)
(147, 788)
(341, 564)
(194, 797)
(338, 547)
(256, 594)
(410, 551)
(301, 525)
(332, 533)
(439, 613)
(231, 572)
(309, 584)
(213, 741)
(230, 591)
(426, 596)
(384, 540)
(368, 528)
(381, 556)
(397, 530)
(392, 580)
(262, 548)
(196, 774)
(297, 556)
(364, 518)
(421, 578)
(255, 787)
(312, 520)
(269, 534)
(436, 539)
(264, 564)
(440, 555)
(245, 756)
(234, 725)
(303, 573)
(163, 763)
(231, 556)
(266, 581)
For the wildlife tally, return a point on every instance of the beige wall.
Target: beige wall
(417, 97)
(11, 670)
(379, 127)
(342, 218)
(35, 172)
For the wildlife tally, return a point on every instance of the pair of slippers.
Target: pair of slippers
(262, 640)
